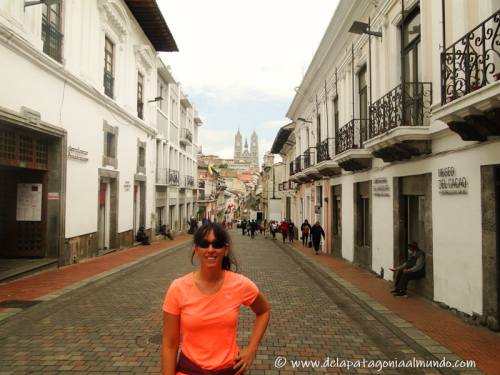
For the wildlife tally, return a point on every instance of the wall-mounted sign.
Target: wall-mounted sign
(22, 164)
(449, 183)
(53, 196)
(29, 202)
(381, 187)
(127, 185)
(77, 154)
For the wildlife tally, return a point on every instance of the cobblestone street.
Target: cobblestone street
(114, 324)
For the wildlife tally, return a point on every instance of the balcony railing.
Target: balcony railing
(167, 176)
(187, 181)
(309, 157)
(280, 186)
(186, 134)
(299, 163)
(140, 107)
(408, 107)
(172, 177)
(292, 171)
(291, 185)
(325, 150)
(109, 83)
(469, 63)
(201, 184)
(52, 41)
(351, 135)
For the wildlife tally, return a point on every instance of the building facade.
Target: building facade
(176, 154)
(81, 146)
(396, 140)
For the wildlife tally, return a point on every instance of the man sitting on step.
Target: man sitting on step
(413, 269)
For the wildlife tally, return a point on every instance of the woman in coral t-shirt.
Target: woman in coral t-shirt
(204, 305)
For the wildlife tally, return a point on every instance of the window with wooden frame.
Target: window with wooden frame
(363, 104)
(108, 67)
(140, 103)
(51, 31)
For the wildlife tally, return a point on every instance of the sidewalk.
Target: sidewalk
(468, 341)
(40, 285)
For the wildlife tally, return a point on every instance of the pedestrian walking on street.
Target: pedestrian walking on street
(253, 228)
(243, 226)
(291, 228)
(274, 228)
(284, 229)
(305, 228)
(316, 233)
(204, 304)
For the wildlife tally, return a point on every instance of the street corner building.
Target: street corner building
(97, 137)
(394, 137)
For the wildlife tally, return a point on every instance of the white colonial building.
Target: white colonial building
(84, 136)
(396, 139)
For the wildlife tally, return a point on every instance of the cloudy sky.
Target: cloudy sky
(240, 61)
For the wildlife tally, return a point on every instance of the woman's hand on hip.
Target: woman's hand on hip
(244, 360)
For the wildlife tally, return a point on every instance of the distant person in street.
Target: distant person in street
(305, 228)
(243, 226)
(291, 228)
(274, 228)
(142, 237)
(316, 233)
(413, 269)
(265, 227)
(166, 232)
(253, 228)
(284, 229)
(192, 225)
(205, 221)
(261, 228)
(204, 306)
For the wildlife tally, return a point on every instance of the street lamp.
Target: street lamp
(363, 28)
(157, 99)
(304, 120)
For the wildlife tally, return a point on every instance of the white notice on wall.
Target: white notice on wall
(29, 202)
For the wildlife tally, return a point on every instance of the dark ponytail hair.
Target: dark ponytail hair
(221, 234)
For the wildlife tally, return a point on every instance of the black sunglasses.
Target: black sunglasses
(217, 244)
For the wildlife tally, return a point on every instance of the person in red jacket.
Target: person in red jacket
(284, 229)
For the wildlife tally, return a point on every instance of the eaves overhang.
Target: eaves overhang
(282, 137)
(148, 15)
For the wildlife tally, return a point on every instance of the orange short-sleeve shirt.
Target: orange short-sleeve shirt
(208, 323)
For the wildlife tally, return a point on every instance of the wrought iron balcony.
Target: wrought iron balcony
(325, 150)
(167, 176)
(188, 181)
(140, 107)
(299, 164)
(351, 136)
(52, 41)
(173, 177)
(292, 171)
(186, 136)
(309, 157)
(109, 83)
(469, 63)
(201, 184)
(408, 107)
